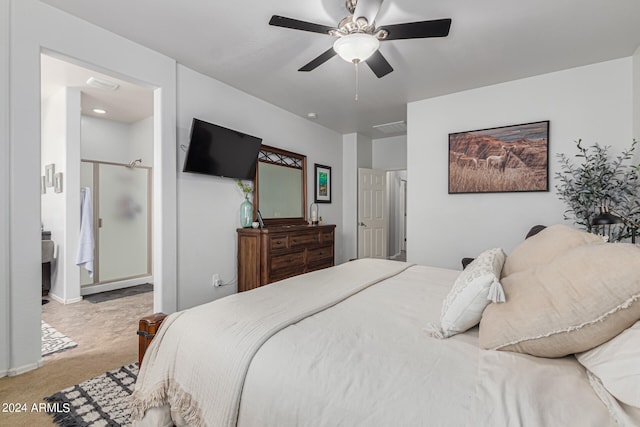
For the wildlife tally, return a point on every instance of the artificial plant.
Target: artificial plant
(245, 188)
(600, 179)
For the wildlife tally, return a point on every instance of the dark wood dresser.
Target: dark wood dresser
(275, 253)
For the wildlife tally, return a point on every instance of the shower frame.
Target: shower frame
(97, 222)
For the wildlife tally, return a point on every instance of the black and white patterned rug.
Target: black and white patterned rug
(100, 401)
(54, 341)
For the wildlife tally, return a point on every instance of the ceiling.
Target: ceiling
(129, 103)
(490, 41)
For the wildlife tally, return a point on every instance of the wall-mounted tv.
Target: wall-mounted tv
(216, 150)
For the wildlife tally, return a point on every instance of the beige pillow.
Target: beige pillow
(617, 364)
(545, 246)
(576, 302)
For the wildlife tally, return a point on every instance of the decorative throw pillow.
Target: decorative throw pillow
(617, 364)
(472, 291)
(546, 245)
(576, 302)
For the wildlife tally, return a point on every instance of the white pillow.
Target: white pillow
(617, 364)
(472, 291)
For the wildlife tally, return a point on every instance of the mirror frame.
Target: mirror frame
(277, 156)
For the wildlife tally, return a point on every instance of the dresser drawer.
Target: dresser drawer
(279, 242)
(303, 239)
(320, 264)
(287, 261)
(326, 237)
(278, 275)
(320, 253)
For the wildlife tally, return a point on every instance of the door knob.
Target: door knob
(362, 224)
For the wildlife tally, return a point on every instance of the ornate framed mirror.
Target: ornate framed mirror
(280, 187)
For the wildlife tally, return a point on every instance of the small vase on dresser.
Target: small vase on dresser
(246, 213)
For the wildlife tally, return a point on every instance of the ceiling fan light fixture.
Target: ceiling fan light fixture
(356, 47)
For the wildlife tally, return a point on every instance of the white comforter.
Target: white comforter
(368, 362)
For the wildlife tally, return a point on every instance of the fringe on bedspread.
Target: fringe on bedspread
(167, 392)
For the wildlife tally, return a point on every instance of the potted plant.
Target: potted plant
(599, 179)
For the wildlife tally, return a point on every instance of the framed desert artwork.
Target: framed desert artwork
(502, 159)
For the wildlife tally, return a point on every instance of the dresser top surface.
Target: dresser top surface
(288, 229)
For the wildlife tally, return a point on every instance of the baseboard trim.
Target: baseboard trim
(26, 368)
(64, 301)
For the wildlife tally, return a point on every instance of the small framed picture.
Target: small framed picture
(49, 171)
(57, 181)
(322, 180)
(260, 221)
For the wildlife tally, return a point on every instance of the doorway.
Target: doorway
(105, 121)
(382, 196)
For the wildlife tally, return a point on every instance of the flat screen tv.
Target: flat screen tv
(216, 150)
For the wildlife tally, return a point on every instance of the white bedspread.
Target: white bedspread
(367, 361)
(197, 363)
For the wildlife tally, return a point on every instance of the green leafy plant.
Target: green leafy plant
(246, 189)
(599, 180)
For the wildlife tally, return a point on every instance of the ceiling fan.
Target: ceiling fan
(358, 38)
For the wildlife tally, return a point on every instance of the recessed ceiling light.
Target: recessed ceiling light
(102, 84)
(99, 111)
(312, 116)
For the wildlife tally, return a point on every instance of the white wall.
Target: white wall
(36, 27)
(5, 165)
(208, 207)
(141, 141)
(350, 192)
(357, 152)
(389, 153)
(60, 146)
(117, 142)
(593, 103)
(105, 140)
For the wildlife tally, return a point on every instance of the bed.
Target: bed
(355, 345)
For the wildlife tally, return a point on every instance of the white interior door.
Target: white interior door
(372, 213)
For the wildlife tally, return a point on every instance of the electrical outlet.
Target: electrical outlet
(215, 280)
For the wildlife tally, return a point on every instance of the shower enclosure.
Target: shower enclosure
(121, 196)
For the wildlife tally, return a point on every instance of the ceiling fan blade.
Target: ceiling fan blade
(327, 55)
(368, 9)
(294, 24)
(379, 65)
(418, 30)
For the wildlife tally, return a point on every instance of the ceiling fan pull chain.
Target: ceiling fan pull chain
(357, 80)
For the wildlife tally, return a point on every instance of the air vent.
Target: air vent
(395, 127)
(102, 84)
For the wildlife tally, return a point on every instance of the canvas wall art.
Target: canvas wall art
(502, 159)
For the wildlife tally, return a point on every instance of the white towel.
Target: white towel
(86, 243)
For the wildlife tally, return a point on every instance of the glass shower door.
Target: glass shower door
(123, 222)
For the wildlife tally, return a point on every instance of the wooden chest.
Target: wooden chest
(271, 254)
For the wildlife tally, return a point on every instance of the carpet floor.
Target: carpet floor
(100, 401)
(106, 337)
